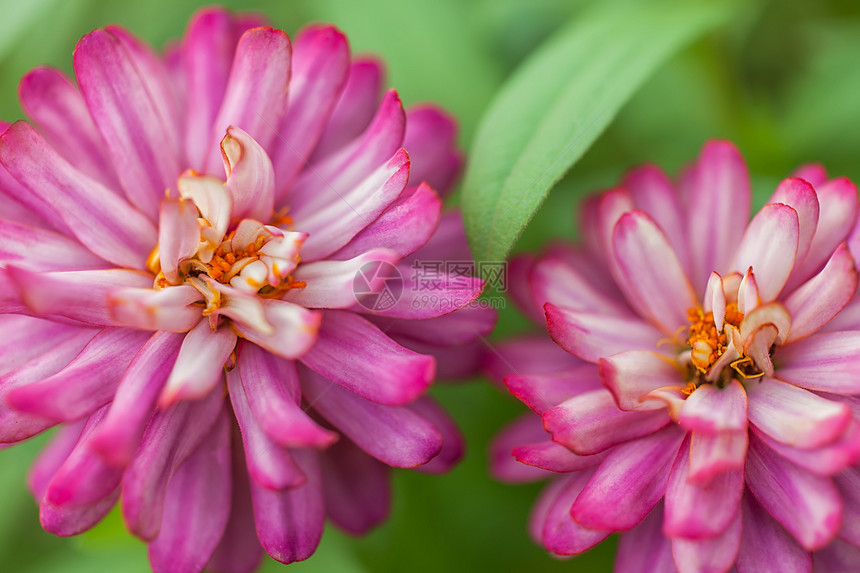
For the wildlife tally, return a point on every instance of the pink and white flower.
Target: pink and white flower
(180, 240)
(707, 401)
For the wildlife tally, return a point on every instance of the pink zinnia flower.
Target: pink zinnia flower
(707, 401)
(197, 334)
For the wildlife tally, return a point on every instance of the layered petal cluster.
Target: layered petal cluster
(181, 239)
(701, 393)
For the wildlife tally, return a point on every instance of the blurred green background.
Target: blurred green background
(781, 79)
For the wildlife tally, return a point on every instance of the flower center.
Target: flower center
(251, 258)
(712, 349)
(706, 342)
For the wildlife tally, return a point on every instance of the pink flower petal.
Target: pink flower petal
(294, 329)
(795, 416)
(591, 422)
(117, 438)
(645, 549)
(14, 426)
(772, 313)
(398, 437)
(239, 549)
(554, 457)
(70, 521)
(357, 488)
(827, 362)
(320, 66)
(333, 216)
(27, 338)
(554, 280)
(715, 300)
(83, 479)
(542, 392)
(156, 75)
(561, 534)
(718, 207)
(256, 94)
(711, 554)
(814, 173)
(427, 293)
(800, 196)
(653, 193)
(200, 365)
(329, 284)
(52, 457)
(631, 375)
(101, 221)
(431, 139)
(839, 206)
(650, 274)
(77, 295)
(453, 446)
(465, 325)
(609, 208)
(272, 388)
(195, 512)
(712, 455)
(848, 484)
(697, 511)
(335, 177)
(250, 176)
(404, 227)
(354, 111)
(56, 106)
(503, 467)
(838, 556)
(178, 235)
(715, 410)
(828, 460)
(36, 214)
(269, 464)
(807, 505)
(214, 202)
(41, 250)
(769, 246)
(527, 355)
(171, 437)
(87, 383)
(132, 120)
(290, 523)
(592, 336)
(629, 482)
(823, 296)
(358, 356)
(172, 308)
(207, 51)
(766, 545)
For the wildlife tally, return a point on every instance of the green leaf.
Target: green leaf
(558, 102)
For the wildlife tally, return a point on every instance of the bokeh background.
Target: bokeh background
(781, 78)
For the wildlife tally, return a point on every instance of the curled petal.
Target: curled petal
(178, 235)
(294, 329)
(250, 176)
